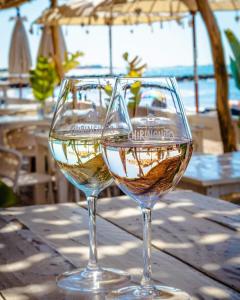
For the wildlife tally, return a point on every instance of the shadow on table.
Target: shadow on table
(38, 243)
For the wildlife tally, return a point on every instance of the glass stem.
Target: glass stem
(147, 232)
(93, 259)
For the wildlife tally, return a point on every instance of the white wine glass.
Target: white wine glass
(147, 145)
(74, 141)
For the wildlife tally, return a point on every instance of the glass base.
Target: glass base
(102, 280)
(151, 293)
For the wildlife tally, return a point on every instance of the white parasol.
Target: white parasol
(46, 43)
(19, 60)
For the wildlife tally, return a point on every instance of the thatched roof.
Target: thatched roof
(99, 12)
(11, 3)
(126, 12)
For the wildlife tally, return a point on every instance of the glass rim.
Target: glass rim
(82, 77)
(94, 77)
(146, 77)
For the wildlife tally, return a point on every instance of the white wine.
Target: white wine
(80, 159)
(147, 171)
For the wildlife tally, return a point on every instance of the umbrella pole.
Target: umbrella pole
(221, 76)
(110, 49)
(56, 49)
(195, 63)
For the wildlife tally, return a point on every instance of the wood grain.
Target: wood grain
(213, 175)
(215, 210)
(28, 267)
(207, 246)
(64, 229)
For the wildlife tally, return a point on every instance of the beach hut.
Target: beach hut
(132, 12)
(95, 12)
(112, 12)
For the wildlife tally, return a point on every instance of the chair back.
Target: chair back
(21, 139)
(11, 161)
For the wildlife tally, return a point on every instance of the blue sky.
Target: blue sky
(170, 46)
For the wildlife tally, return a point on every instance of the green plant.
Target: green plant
(136, 96)
(234, 62)
(7, 196)
(71, 61)
(43, 78)
(134, 69)
(108, 90)
(134, 66)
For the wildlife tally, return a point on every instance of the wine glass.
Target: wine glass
(147, 145)
(74, 141)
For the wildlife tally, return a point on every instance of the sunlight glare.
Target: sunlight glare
(11, 213)
(211, 267)
(157, 222)
(214, 292)
(24, 264)
(29, 291)
(45, 209)
(115, 250)
(72, 234)
(234, 261)
(177, 219)
(166, 245)
(213, 238)
(52, 222)
(181, 204)
(11, 227)
(122, 213)
(80, 250)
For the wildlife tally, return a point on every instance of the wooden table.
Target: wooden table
(195, 245)
(211, 129)
(12, 109)
(22, 120)
(13, 121)
(19, 80)
(213, 175)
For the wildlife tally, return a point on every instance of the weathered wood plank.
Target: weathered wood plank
(28, 267)
(216, 210)
(64, 228)
(209, 170)
(207, 246)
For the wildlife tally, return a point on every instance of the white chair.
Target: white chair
(12, 175)
(11, 161)
(21, 139)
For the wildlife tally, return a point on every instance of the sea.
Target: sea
(207, 86)
(184, 74)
